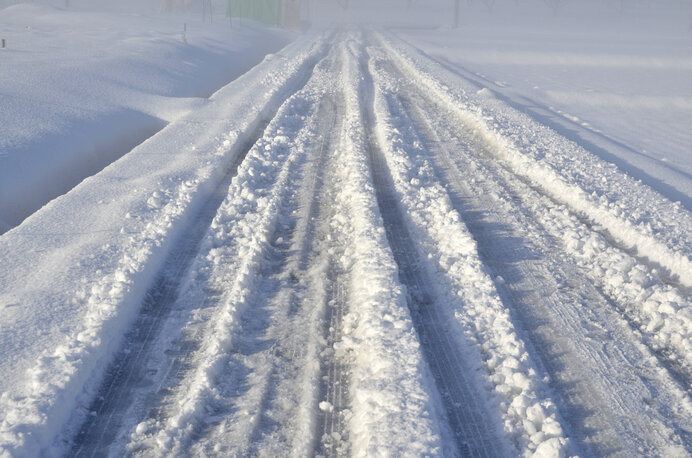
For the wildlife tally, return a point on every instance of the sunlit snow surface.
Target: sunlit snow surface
(611, 75)
(619, 84)
(78, 89)
(380, 236)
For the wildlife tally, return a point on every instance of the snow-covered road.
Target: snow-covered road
(354, 251)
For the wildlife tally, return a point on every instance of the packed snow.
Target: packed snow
(383, 234)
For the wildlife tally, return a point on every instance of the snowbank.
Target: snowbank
(98, 247)
(80, 88)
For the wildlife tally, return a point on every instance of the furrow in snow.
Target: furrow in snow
(274, 367)
(118, 399)
(331, 433)
(588, 353)
(462, 405)
(661, 312)
(521, 397)
(393, 409)
(122, 261)
(288, 412)
(236, 261)
(637, 218)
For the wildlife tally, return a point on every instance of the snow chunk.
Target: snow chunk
(326, 406)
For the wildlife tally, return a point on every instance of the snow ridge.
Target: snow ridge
(529, 415)
(660, 234)
(70, 369)
(387, 363)
(635, 216)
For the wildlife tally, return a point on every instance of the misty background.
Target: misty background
(660, 16)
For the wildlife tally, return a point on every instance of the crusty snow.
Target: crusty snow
(376, 236)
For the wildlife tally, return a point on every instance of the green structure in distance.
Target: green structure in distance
(284, 13)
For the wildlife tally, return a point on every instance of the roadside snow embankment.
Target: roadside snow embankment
(635, 216)
(74, 272)
(80, 89)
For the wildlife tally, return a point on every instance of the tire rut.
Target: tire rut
(115, 394)
(266, 370)
(308, 302)
(127, 374)
(540, 289)
(332, 433)
(472, 436)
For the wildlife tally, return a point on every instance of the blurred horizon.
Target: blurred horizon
(649, 15)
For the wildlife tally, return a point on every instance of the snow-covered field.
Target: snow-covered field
(79, 88)
(615, 80)
(395, 240)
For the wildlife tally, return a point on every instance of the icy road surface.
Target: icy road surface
(352, 251)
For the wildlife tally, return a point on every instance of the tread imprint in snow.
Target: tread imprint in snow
(471, 434)
(128, 371)
(540, 292)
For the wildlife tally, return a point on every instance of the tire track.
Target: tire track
(307, 308)
(253, 395)
(332, 434)
(334, 387)
(271, 386)
(128, 370)
(119, 395)
(375, 340)
(590, 354)
(472, 435)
